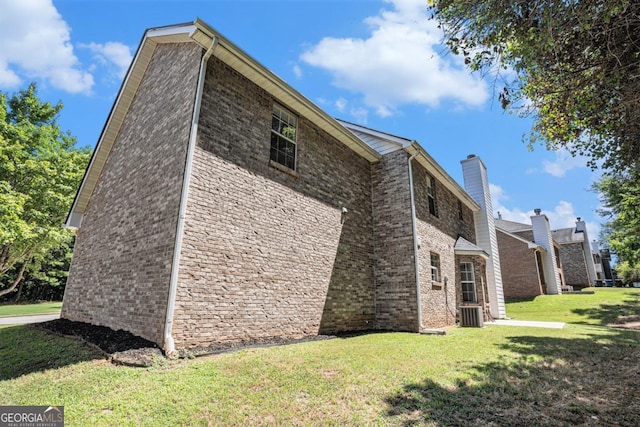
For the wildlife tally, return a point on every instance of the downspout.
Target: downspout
(415, 242)
(169, 344)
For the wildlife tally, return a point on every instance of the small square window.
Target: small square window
(283, 137)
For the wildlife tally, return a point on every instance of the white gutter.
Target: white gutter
(415, 242)
(169, 345)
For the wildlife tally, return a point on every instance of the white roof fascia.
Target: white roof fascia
(381, 142)
(480, 253)
(111, 129)
(201, 33)
(272, 83)
(530, 245)
(441, 175)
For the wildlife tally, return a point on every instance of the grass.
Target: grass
(585, 374)
(30, 309)
(601, 308)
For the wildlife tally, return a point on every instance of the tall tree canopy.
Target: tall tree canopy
(620, 198)
(572, 65)
(40, 170)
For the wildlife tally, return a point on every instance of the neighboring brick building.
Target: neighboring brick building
(576, 255)
(530, 268)
(222, 205)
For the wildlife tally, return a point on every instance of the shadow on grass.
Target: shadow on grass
(547, 381)
(25, 349)
(607, 314)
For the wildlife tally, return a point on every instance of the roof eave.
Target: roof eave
(201, 33)
(467, 252)
(441, 175)
(272, 83)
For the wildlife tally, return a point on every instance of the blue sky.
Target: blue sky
(375, 63)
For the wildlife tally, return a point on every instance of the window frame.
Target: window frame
(435, 266)
(286, 118)
(473, 291)
(432, 202)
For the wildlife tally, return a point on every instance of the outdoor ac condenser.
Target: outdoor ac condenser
(471, 317)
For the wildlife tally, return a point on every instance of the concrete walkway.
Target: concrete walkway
(530, 323)
(20, 320)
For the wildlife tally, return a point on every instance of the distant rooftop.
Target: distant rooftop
(512, 226)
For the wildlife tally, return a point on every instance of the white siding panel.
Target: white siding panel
(476, 183)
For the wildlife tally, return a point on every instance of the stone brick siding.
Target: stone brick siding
(438, 234)
(520, 277)
(266, 253)
(395, 292)
(574, 268)
(120, 272)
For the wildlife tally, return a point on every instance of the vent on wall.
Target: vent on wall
(471, 317)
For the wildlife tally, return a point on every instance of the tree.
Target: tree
(620, 198)
(44, 278)
(572, 65)
(40, 170)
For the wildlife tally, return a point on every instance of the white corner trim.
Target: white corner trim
(169, 344)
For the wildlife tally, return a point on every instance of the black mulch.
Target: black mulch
(121, 346)
(124, 348)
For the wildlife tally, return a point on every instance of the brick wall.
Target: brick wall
(121, 267)
(395, 292)
(520, 276)
(438, 234)
(266, 253)
(574, 268)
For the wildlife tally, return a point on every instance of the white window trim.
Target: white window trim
(472, 281)
(284, 111)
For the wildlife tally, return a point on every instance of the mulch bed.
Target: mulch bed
(120, 346)
(124, 348)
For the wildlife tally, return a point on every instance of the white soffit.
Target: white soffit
(229, 53)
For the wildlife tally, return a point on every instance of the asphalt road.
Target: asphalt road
(20, 320)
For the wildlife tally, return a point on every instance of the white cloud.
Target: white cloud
(562, 215)
(297, 71)
(112, 54)
(562, 163)
(399, 63)
(340, 104)
(36, 45)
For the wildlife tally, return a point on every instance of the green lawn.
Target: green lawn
(30, 309)
(585, 374)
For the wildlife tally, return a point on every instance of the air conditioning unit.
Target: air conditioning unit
(471, 317)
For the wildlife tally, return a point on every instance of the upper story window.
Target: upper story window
(435, 267)
(283, 137)
(460, 212)
(431, 195)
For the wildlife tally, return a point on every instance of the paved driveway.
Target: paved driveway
(19, 320)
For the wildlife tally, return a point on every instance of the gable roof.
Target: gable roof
(530, 244)
(567, 235)
(512, 226)
(205, 36)
(385, 143)
(465, 247)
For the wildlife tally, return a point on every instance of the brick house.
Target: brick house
(576, 255)
(531, 263)
(222, 205)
